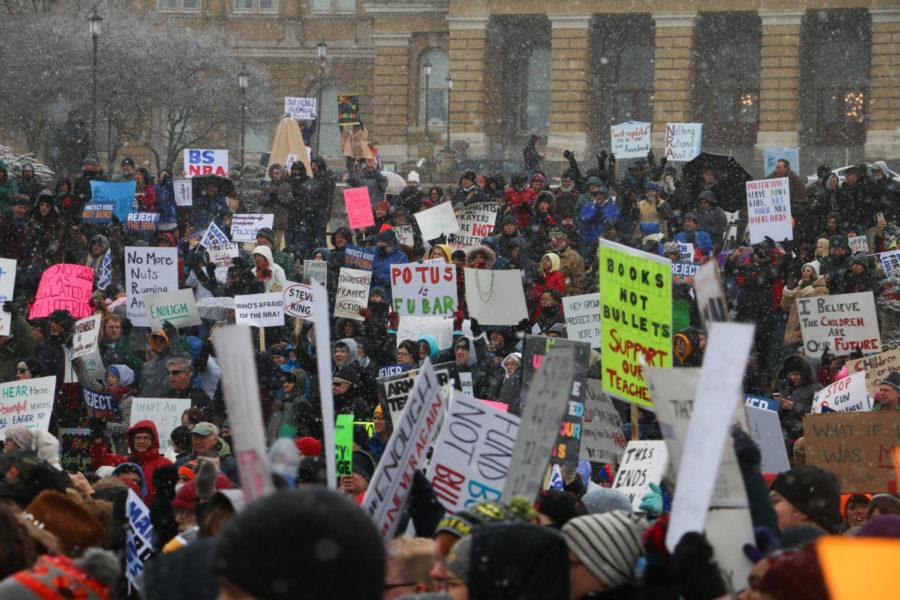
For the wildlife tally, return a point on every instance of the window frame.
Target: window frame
(179, 7)
(526, 90)
(441, 85)
(332, 10)
(255, 9)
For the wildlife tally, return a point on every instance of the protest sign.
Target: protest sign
(773, 155)
(636, 303)
(765, 429)
(845, 322)
(472, 454)
(710, 294)
(601, 430)
(877, 367)
(98, 213)
(643, 463)
(405, 452)
(423, 289)
(75, 449)
(475, 222)
(315, 269)
(406, 235)
(568, 444)
(348, 109)
(413, 328)
(28, 402)
(104, 274)
(357, 257)
(359, 207)
(437, 221)
(844, 395)
(343, 436)
(718, 393)
(300, 108)
(728, 530)
(119, 194)
(322, 330)
(761, 402)
(244, 227)
(7, 289)
(683, 273)
(184, 192)
(178, 307)
(64, 287)
(583, 318)
(352, 293)
(164, 412)
(213, 236)
(769, 210)
(148, 270)
(298, 300)
(685, 251)
(545, 409)
(142, 222)
(630, 140)
(100, 404)
(859, 567)
(200, 161)
(890, 262)
(683, 141)
(495, 297)
(138, 539)
(259, 310)
(393, 390)
(85, 344)
(857, 447)
(234, 351)
(858, 243)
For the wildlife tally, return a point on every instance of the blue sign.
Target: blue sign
(98, 213)
(101, 405)
(772, 155)
(761, 402)
(357, 257)
(120, 194)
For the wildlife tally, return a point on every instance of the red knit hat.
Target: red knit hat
(309, 446)
(186, 498)
(385, 227)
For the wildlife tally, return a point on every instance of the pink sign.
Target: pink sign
(64, 287)
(359, 208)
(501, 406)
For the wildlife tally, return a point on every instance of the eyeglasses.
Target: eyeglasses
(402, 353)
(176, 372)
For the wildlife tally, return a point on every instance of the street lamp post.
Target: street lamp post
(449, 82)
(322, 55)
(427, 67)
(94, 21)
(243, 83)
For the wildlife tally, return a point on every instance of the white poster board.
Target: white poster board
(7, 289)
(476, 222)
(300, 108)
(765, 429)
(413, 328)
(28, 402)
(148, 270)
(315, 269)
(178, 308)
(424, 289)
(643, 462)
(352, 293)
(437, 221)
(683, 141)
(630, 140)
(165, 414)
(769, 210)
(845, 322)
(495, 297)
(205, 161)
(244, 226)
(298, 300)
(844, 395)
(86, 345)
(259, 310)
(601, 427)
(583, 318)
(184, 192)
(710, 295)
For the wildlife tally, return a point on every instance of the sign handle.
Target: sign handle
(635, 420)
(262, 339)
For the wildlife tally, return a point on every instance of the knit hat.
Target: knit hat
(89, 577)
(886, 526)
(558, 233)
(838, 241)
(708, 196)
(795, 576)
(560, 506)
(465, 521)
(181, 435)
(363, 464)
(188, 470)
(266, 233)
(20, 435)
(123, 373)
(309, 446)
(73, 524)
(558, 329)
(670, 248)
(20, 200)
(412, 177)
(893, 380)
(861, 259)
(607, 544)
(305, 543)
(814, 491)
(186, 497)
(604, 500)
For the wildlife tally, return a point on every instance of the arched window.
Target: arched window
(436, 88)
(536, 108)
(329, 132)
(633, 83)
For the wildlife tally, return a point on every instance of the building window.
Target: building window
(633, 84)
(536, 91)
(178, 5)
(332, 6)
(726, 76)
(255, 6)
(437, 85)
(329, 133)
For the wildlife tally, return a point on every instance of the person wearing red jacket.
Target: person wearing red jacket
(551, 279)
(520, 201)
(143, 439)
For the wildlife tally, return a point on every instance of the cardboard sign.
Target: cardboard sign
(844, 395)
(683, 273)
(437, 221)
(711, 301)
(199, 161)
(244, 227)
(343, 435)
(890, 262)
(683, 141)
(28, 402)
(393, 390)
(164, 412)
(773, 155)
(405, 452)
(472, 454)
(148, 270)
(98, 213)
(259, 310)
(858, 243)
(769, 210)
(348, 109)
(119, 194)
(352, 293)
(138, 539)
(765, 429)
(100, 404)
(178, 308)
(856, 447)
(357, 257)
(86, 344)
(877, 367)
(359, 207)
(845, 322)
(761, 402)
(240, 387)
(142, 222)
(545, 409)
(7, 289)
(636, 303)
(64, 287)
(406, 235)
(643, 463)
(300, 108)
(75, 449)
(184, 192)
(583, 318)
(495, 297)
(424, 290)
(475, 222)
(315, 269)
(298, 300)
(601, 429)
(630, 140)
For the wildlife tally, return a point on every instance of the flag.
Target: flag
(214, 236)
(138, 539)
(556, 480)
(104, 275)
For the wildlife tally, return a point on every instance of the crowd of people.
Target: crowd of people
(63, 534)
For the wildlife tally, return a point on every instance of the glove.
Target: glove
(458, 318)
(127, 326)
(601, 158)
(476, 328)
(9, 307)
(206, 480)
(745, 450)
(650, 157)
(211, 271)
(393, 320)
(694, 563)
(365, 313)
(652, 502)
(568, 155)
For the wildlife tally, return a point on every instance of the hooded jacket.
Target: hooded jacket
(8, 188)
(275, 280)
(95, 261)
(148, 461)
(801, 395)
(384, 258)
(789, 297)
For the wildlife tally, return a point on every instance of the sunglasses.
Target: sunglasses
(176, 372)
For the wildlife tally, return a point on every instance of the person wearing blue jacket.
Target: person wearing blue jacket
(691, 235)
(165, 201)
(386, 254)
(597, 216)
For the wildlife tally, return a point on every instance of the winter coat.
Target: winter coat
(277, 197)
(82, 186)
(658, 212)
(411, 199)
(30, 187)
(596, 219)
(8, 188)
(714, 221)
(95, 261)
(571, 265)
(818, 287)
(282, 412)
(276, 280)
(227, 462)
(145, 201)
(374, 181)
(856, 205)
(699, 238)
(199, 399)
(16, 347)
(207, 209)
(165, 202)
(384, 258)
(121, 352)
(149, 461)
(13, 237)
(802, 396)
(46, 239)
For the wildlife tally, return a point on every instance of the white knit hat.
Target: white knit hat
(413, 176)
(607, 544)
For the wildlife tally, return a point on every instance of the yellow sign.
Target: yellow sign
(859, 568)
(636, 319)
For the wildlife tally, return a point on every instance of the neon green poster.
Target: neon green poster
(343, 439)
